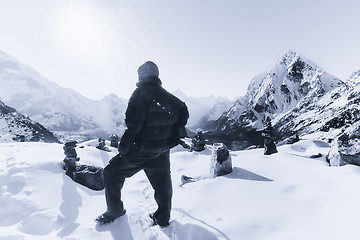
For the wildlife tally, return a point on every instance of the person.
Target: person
(155, 121)
(198, 142)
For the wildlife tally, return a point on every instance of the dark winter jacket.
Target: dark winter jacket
(155, 119)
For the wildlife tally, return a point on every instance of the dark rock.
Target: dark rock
(349, 116)
(114, 141)
(185, 145)
(70, 162)
(86, 175)
(187, 179)
(269, 134)
(69, 149)
(319, 155)
(102, 145)
(198, 142)
(221, 163)
(345, 149)
(19, 137)
(290, 140)
(270, 148)
(89, 176)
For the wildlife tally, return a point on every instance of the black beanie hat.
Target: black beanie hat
(148, 69)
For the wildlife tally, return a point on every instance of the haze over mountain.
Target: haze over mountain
(211, 106)
(61, 110)
(70, 114)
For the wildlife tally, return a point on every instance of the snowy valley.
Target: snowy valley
(287, 195)
(61, 110)
(299, 96)
(72, 116)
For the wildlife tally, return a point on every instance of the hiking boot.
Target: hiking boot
(106, 217)
(156, 222)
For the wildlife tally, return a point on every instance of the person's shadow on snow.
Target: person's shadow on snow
(119, 229)
(69, 207)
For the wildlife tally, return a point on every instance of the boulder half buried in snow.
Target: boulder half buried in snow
(221, 163)
(91, 177)
(345, 149)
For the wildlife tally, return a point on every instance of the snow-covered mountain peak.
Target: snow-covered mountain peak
(181, 95)
(289, 58)
(17, 78)
(288, 82)
(110, 96)
(293, 83)
(113, 98)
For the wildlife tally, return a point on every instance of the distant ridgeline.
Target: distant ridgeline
(299, 97)
(61, 110)
(16, 127)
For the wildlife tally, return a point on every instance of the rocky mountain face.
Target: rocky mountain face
(61, 110)
(287, 94)
(17, 127)
(334, 117)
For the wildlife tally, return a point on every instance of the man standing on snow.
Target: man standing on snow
(155, 121)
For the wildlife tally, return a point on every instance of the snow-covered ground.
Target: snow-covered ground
(287, 195)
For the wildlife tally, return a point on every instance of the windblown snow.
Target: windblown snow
(287, 195)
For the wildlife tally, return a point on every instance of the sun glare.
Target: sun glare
(83, 31)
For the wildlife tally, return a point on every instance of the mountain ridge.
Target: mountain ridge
(59, 109)
(294, 93)
(294, 83)
(14, 126)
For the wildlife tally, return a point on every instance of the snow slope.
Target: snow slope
(287, 195)
(16, 127)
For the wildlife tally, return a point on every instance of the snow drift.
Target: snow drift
(287, 195)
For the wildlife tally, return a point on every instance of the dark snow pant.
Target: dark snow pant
(157, 171)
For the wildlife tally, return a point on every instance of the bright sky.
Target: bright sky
(202, 47)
